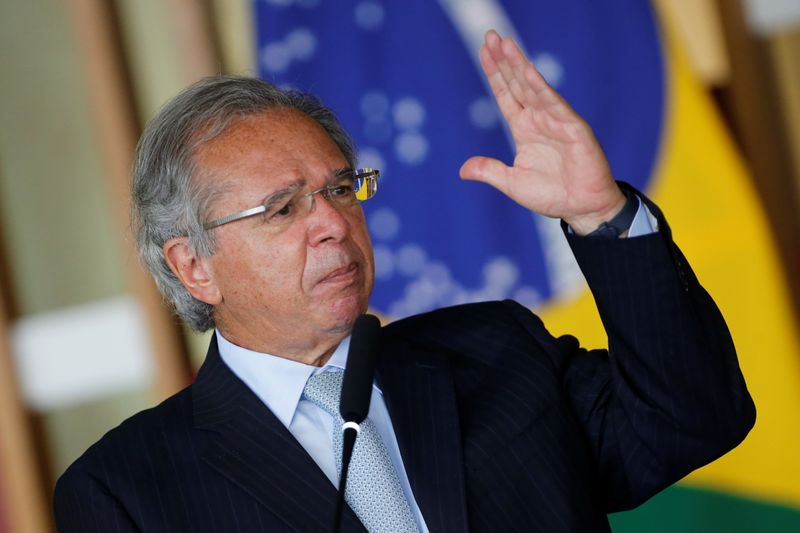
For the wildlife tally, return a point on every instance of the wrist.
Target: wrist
(593, 223)
(619, 226)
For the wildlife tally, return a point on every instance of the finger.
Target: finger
(498, 79)
(488, 64)
(527, 85)
(502, 94)
(525, 72)
(535, 91)
(494, 44)
(487, 170)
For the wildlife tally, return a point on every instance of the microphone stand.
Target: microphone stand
(350, 431)
(355, 396)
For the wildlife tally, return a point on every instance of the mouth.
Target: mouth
(346, 274)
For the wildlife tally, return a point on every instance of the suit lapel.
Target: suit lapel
(253, 449)
(419, 395)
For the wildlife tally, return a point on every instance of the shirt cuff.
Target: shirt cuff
(644, 223)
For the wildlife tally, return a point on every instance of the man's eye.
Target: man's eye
(340, 191)
(282, 213)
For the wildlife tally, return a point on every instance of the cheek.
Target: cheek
(284, 265)
(359, 232)
(271, 270)
(365, 245)
(369, 268)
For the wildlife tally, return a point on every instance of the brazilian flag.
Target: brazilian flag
(405, 80)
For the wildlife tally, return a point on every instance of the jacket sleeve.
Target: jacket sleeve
(667, 396)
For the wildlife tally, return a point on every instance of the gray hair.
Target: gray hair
(166, 202)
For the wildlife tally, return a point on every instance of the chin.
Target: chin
(344, 312)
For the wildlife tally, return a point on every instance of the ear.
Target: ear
(192, 270)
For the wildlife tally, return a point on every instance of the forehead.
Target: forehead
(275, 143)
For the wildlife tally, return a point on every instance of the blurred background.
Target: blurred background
(697, 103)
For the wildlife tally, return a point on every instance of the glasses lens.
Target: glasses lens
(284, 211)
(365, 183)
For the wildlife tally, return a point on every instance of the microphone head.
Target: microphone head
(361, 358)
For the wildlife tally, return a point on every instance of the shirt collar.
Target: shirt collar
(277, 381)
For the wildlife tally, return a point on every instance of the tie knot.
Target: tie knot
(324, 390)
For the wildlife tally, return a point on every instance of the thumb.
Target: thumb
(487, 170)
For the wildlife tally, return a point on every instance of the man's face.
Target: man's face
(297, 290)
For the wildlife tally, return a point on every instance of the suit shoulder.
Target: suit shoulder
(96, 490)
(475, 330)
(467, 318)
(134, 432)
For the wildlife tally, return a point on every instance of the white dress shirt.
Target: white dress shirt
(644, 222)
(279, 383)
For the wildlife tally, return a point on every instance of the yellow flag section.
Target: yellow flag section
(703, 188)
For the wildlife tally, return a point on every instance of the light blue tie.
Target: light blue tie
(373, 489)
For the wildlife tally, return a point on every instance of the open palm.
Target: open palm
(559, 169)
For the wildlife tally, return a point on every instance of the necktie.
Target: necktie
(373, 490)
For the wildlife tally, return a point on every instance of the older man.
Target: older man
(246, 208)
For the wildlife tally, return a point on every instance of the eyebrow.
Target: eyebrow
(281, 194)
(274, 198)
(339, 172)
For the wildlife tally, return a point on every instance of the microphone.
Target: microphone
(361, 358)
(356, 393)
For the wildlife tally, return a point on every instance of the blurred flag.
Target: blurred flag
(404, 79)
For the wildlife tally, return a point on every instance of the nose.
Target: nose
(327, 222)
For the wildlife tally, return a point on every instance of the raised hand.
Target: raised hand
(559, 169)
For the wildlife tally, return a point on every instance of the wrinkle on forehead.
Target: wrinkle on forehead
(237, 138)
(233, 154)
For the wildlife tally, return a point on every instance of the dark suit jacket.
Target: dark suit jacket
(501, 426)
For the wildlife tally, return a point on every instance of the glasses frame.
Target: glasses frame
(368, 176)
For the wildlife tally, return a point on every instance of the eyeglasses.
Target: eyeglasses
(283, 208)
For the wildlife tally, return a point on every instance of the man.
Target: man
(247, 216)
